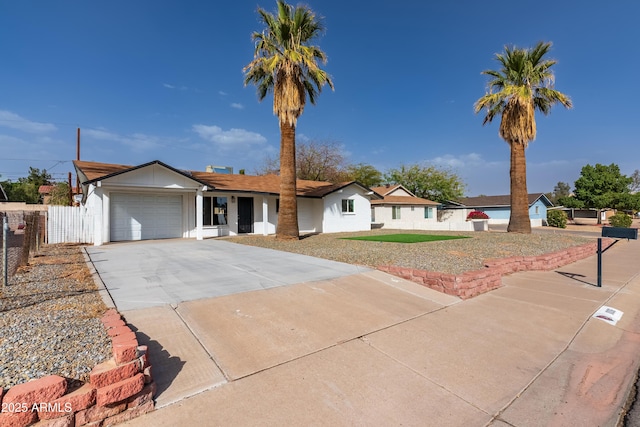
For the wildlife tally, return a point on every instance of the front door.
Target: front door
(245, 214)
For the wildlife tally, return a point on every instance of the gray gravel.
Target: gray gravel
(447, 256)
(50, 312)
(50, 319)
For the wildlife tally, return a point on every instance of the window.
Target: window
(428, 212)
(395, 212)
(537, 210)
(214, 211)
(347, 206)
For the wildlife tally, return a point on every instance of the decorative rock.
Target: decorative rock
(108, 372)
(75, 401)
(43, 390)
(126, 351)
(145, 395)
(129, 414)
(120, 391)
(98, 413)
(65, 421)
(119, 330)
(18, 419)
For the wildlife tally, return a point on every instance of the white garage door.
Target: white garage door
(145, 216)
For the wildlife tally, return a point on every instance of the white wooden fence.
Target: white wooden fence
(69, 224)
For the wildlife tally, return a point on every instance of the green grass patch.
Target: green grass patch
(405, 238)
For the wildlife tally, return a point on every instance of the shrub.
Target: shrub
(557, 219)
(620, 219)
(477, 215)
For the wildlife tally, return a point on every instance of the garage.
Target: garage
(141, 216)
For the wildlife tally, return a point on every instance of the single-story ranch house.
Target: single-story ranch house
(498, 208)
(401, 209)
(155, 200)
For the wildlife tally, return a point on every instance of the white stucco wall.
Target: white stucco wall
(410, 219)
(309, 215)
(336, 221)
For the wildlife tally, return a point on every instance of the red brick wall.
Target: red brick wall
(472, 283)
(118, 390)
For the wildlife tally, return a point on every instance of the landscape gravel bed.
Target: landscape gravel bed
(50, 319)
(50, 311)
(446, 256)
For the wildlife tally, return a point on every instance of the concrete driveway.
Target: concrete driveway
(159, 272)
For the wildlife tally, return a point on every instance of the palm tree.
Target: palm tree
(285, 63)
(525, 83)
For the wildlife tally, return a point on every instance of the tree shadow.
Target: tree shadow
(164, 367)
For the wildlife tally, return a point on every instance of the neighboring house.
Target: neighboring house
(401, 209)
(498, 208)
(155, 200)
(586, 216)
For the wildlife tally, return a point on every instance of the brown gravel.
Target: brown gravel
(447, 256)
(50, 319)
(49, 313)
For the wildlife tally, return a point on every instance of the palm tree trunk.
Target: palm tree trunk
(519, 221)
(287, 228)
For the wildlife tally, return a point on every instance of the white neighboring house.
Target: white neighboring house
(155, 201)
(401, 209)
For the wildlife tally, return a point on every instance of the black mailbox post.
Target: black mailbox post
(616, 233)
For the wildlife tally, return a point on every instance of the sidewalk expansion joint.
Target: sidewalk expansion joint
(226, 377)
(497, 415)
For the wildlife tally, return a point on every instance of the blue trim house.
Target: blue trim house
(498, 208)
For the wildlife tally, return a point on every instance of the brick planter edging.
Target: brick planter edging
(472, 283)
(118, 390)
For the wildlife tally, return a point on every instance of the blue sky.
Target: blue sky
(147, 80)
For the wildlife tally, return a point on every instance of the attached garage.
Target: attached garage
(145, 216)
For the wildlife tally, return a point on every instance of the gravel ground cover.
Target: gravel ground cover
(446, 256)
(50, 319)
(50, 311)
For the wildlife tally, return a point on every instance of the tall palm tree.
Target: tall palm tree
(286, 63)
(525, 83)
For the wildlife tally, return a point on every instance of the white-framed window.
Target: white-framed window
(348, 206)
(214, 210)
(428, 212)
(537, 210)
(395, 212)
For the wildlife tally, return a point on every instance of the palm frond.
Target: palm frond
(523, 83)
(285, 62)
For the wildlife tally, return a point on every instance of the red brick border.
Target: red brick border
(118, 390)
(472, 283)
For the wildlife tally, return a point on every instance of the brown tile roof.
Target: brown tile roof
(384, 189)
(93, 170)
(404, 200)
(399, 200)
(269, 184)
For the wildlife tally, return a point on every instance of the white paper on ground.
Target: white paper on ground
(608, 314)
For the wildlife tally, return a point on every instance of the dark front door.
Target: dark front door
(245, 214)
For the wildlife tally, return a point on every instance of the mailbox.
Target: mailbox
(620, 232)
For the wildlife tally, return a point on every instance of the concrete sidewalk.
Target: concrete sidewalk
(372, 349)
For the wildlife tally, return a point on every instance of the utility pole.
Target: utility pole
(77, 158)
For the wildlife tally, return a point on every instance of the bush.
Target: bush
(620, 219)
(477, 215)
(557, 219)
